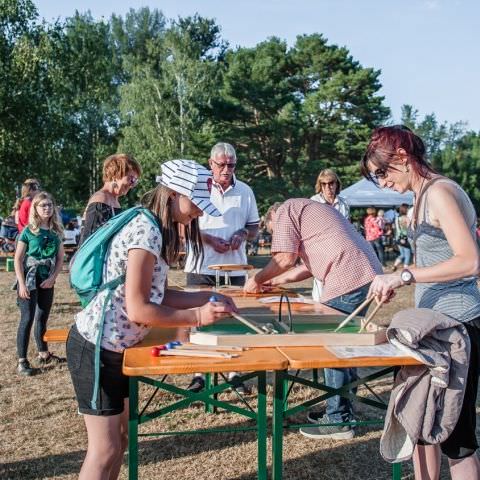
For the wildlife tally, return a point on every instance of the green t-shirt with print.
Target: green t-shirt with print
(43, 245)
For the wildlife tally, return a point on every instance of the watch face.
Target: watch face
(406, 276)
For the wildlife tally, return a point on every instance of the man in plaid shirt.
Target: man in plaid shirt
(333, 252)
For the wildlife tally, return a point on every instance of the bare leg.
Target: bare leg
(467, 468)
(115, 470)
(426, 462)
(104, 446)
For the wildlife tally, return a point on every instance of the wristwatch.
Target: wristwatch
(407, 276)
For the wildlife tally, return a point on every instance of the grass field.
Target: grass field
(43, 437)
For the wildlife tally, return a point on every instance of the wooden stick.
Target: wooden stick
(215, 348)
(370, 317)
(197, 353)
(358, 309)
(247, 323)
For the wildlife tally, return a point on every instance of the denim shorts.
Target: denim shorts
(113, 384)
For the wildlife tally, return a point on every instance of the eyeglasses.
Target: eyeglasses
(133, 180)
(380, 173)
(333, 183)
(221, 166)
(45, 205)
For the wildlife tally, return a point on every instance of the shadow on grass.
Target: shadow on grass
(153, 450)
(337, 459)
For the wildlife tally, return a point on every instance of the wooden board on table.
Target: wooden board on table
(238, 292)
(290, 339)
(308, 331)
(230, 267)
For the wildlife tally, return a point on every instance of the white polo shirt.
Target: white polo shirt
(238, 207)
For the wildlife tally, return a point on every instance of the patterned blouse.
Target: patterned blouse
(119, 332)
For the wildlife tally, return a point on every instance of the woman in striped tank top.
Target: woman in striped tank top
(445, 272)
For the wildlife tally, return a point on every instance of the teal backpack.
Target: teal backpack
(86, 272)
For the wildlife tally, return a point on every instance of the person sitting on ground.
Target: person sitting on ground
(335, 253)
(120, 173)
(38, 261)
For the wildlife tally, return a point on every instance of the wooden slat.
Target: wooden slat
(287, 339)
(56, 335)
(320, 357)
(139, 361)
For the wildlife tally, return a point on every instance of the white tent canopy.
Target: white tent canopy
(367, 194)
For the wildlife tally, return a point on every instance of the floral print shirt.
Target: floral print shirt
(118, 331)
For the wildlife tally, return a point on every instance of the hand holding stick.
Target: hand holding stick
(370, 317)
(355, 312)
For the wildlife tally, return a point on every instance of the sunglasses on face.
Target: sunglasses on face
(45, 205)
(380, 173)
(221, 166)
(328, 184)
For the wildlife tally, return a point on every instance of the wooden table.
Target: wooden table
(306, 358)
(140, 366)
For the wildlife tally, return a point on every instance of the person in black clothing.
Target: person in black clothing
(120, 173)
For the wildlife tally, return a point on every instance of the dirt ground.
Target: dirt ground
(43, 437)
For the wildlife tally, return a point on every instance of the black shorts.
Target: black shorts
(113, 384)
(462, 442)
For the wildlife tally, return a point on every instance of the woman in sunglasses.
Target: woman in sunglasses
(38, 261)
(120, 173)
(327, 189)
(443, 234)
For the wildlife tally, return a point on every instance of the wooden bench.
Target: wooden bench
(56, 335)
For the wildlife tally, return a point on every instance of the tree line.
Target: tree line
(76, 90)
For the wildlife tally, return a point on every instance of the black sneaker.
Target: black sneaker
(314, 417)
(239, 386)
(51, 359)
(196, 385)
(335, 432)
(24, 368)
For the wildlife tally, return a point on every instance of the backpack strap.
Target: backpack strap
(110, 287)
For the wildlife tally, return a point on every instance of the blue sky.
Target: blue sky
(427, 50)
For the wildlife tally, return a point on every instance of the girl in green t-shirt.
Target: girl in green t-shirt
(38, 261)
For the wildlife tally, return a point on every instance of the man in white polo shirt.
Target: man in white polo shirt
(224, 238)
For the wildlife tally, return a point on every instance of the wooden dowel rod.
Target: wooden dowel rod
(247, 323)
(352, 315)
(370, 317)
(215, 348)
(197, 353)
